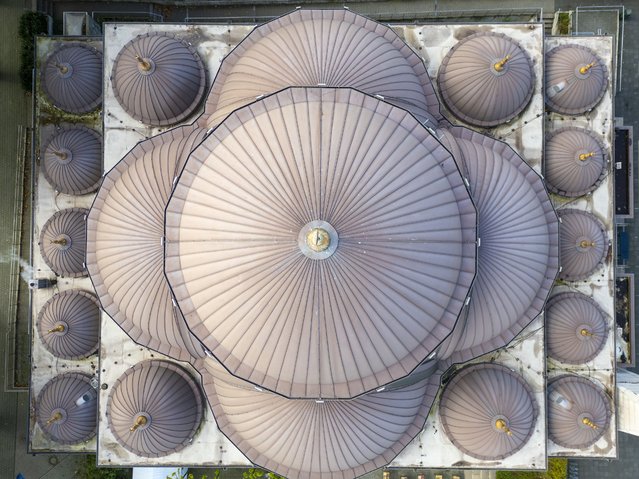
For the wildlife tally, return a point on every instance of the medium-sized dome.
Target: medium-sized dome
(576, 79)
(63, 242)
(488, 411)
(576, 328)
(66, 408)
(575, 161)
(486, 79)
(72, 78)
(69, 324)
(578, 412)
(158, 79)
(72, 161)
(154, 409)
(583, 244)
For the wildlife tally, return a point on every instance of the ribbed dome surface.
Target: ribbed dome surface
(362, 312)
(72, 78)
(69, 324)
(311, 440)
(335, 48)
(578, 412)
(160, 402)
(125, 254)
(63, 242)
(583, 242)
(488, 411)
(575, 162)
(518, 256)
(576, 79)
(72, 161)
(486, 79)
(66, 408)
(577, 328)
(158, 79)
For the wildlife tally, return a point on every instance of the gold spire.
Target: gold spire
(55, 417)
(585, 156)
(140, 421)
(60, 154)
(58, 329)
(587, 422)
(584, 69)
(499, 66)
(587, 244)
(503, 427)
(318, 239)
(585, 332)
(142, 63)
(63, 69)
(61, 241)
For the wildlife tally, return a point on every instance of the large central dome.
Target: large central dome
(320, 243)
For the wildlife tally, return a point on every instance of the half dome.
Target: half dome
(584, 244)
(154, 409)
(578, 412)
(63, 242)
(67, 408)
(72, 161)
(575, 161)
(486, 79)
(125, 252)
(577, 328)
(158, 79)
(333, 48)
(69, 324)
(317, 439)
(576, 79)
(72, 78)
(517, 260)
(285, 308)
(488, 411)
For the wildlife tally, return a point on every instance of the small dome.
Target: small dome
(334, 48)
(127, 270)
(576, 328)
(63, 242)
(72, 161)
(308, 439)
(154, 409)
(583, 244)
(575, 162)
(488, 411)
(158, 79)
(66, 408)
(486, 79)
(69, 324)
(578, 412)
(72, 78)
(576, 79)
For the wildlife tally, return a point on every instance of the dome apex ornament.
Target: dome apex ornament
(318, 240)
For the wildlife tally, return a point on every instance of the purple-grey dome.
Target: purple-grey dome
(63, 242)
(154, 409)
(576, 328)
(310, 439)
(158, 79)
(583, 242)
(69, 324)
(72, 78)
(576, 79)
(486, 79)
(575, 161)
(72, 160)
(395, 258)
(125, 252)
(67, 407)
(578, 412)
(488, 411)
